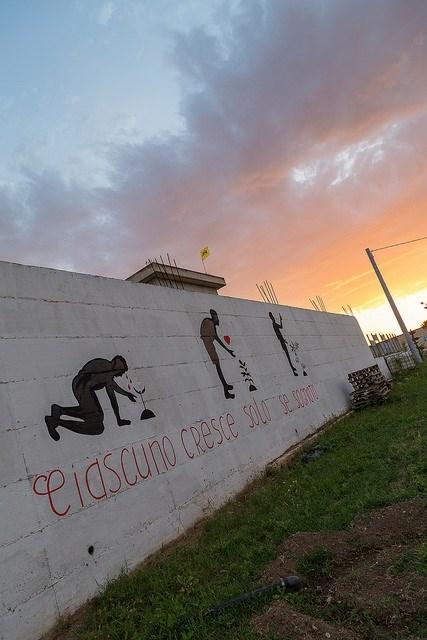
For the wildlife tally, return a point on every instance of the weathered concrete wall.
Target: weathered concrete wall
(383, 367)
(74, 512)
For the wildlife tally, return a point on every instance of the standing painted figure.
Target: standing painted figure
(209, 335)
(96, 374)
(277, 330)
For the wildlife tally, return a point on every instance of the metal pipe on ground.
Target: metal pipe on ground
(291, 583)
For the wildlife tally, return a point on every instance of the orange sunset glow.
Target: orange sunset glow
(388, 205)
(356, 284)
(286, 136)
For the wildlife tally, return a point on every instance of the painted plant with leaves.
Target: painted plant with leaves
(246, 375)
(295, 347)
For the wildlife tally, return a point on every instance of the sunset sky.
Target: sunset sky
(287, 135)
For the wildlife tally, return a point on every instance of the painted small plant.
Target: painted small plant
(295, 347)
(146, 413)
(246, 375)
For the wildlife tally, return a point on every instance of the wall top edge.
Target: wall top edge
(70, 276)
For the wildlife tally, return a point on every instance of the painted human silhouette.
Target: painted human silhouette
(209, 335)
(96, 374)
(277, 330)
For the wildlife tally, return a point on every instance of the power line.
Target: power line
(399, 244)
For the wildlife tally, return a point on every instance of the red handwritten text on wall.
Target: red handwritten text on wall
(115, 471)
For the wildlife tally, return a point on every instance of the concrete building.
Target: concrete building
(166, 275)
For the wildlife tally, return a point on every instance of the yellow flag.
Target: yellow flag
(204, 253)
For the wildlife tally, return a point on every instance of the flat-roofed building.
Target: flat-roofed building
(166, 275)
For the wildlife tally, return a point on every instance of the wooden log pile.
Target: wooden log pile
(370, 387)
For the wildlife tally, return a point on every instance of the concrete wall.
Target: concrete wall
(383, 367)
(74, 512)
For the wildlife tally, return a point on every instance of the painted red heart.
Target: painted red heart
(227, 339)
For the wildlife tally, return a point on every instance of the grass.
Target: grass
(316, 563)
(412, 561)
(372, 458)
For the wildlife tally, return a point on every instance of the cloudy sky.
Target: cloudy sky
(287, 135)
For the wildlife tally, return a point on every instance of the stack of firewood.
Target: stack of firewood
(370, 387)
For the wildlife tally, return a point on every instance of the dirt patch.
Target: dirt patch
(396, 524)
(350, 579)
(282, 619)
(373, 587)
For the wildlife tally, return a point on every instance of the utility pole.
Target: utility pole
(408, 337)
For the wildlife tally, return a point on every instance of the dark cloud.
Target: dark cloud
(49, 222)
(281, 85)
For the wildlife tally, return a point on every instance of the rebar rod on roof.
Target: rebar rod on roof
(175, 281)
(160, 277)
(314, 305)
(275, 296)
(172, 273)
(273, 293)
(265, 293)
(270, 297)
(321, 303)
(166, 273)
(179, 274)
(161, 281)
(259, 289)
